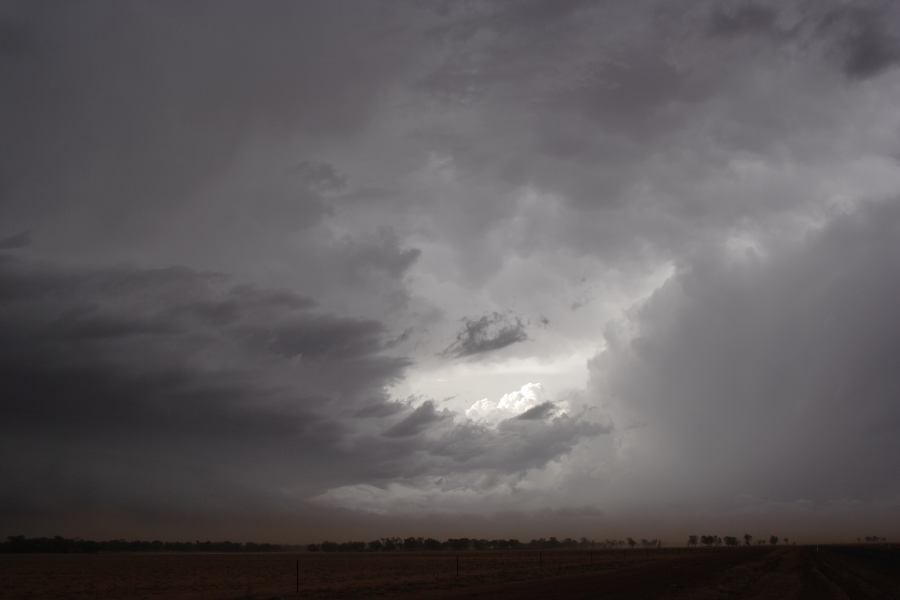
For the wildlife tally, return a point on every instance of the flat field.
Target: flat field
(802, 573)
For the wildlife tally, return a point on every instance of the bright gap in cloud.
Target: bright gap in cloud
(459, 385)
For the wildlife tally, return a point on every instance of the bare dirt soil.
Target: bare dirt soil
(755, 573)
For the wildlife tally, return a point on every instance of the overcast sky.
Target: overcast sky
(293, 270)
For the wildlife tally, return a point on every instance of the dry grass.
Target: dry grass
(667, 573)
(189, 576)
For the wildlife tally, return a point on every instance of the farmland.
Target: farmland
(754, 572)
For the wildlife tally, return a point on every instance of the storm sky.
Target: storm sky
(292, 270)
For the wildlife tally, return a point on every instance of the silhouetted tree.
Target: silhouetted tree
(631, 543)
(747, 539)
(389, 544)
(773, 540)
(692, 540)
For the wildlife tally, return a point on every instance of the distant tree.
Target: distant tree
(773, 540)
(432, 544)
(412, 543)
(631, 543)
(349, 546)
(730, 540)
(874, 539)
(313, 547)
(747, 539)
(692, 540)
(458, 543)
(376, 546)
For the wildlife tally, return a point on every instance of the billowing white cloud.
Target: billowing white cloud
(514, 404)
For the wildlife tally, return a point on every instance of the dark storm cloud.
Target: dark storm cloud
(148, 380)
(539, 412)
(380, 410)
(126, 102)
(456, 459)
(745, 19)
(157, 365)
(859, 36)
(17, 240)
(16, 39)
(377, 170)
(866, 38)
(608, 105)
(418, 421)
(461, 446)
(486, 334)
(768, 377)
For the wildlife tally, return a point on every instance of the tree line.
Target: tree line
(730, 540)
(61, 545)
(394, 544)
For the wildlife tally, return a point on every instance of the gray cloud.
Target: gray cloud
(458, 462)
(486, 334)
(340, 184)
(767, 377)
(418, 421)
(164, 111)
(157, 365)
(866, 41)
(856, 35)
(536, 413)
(380, 410)
(745, 19)
(188, 380)
(17, 240)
